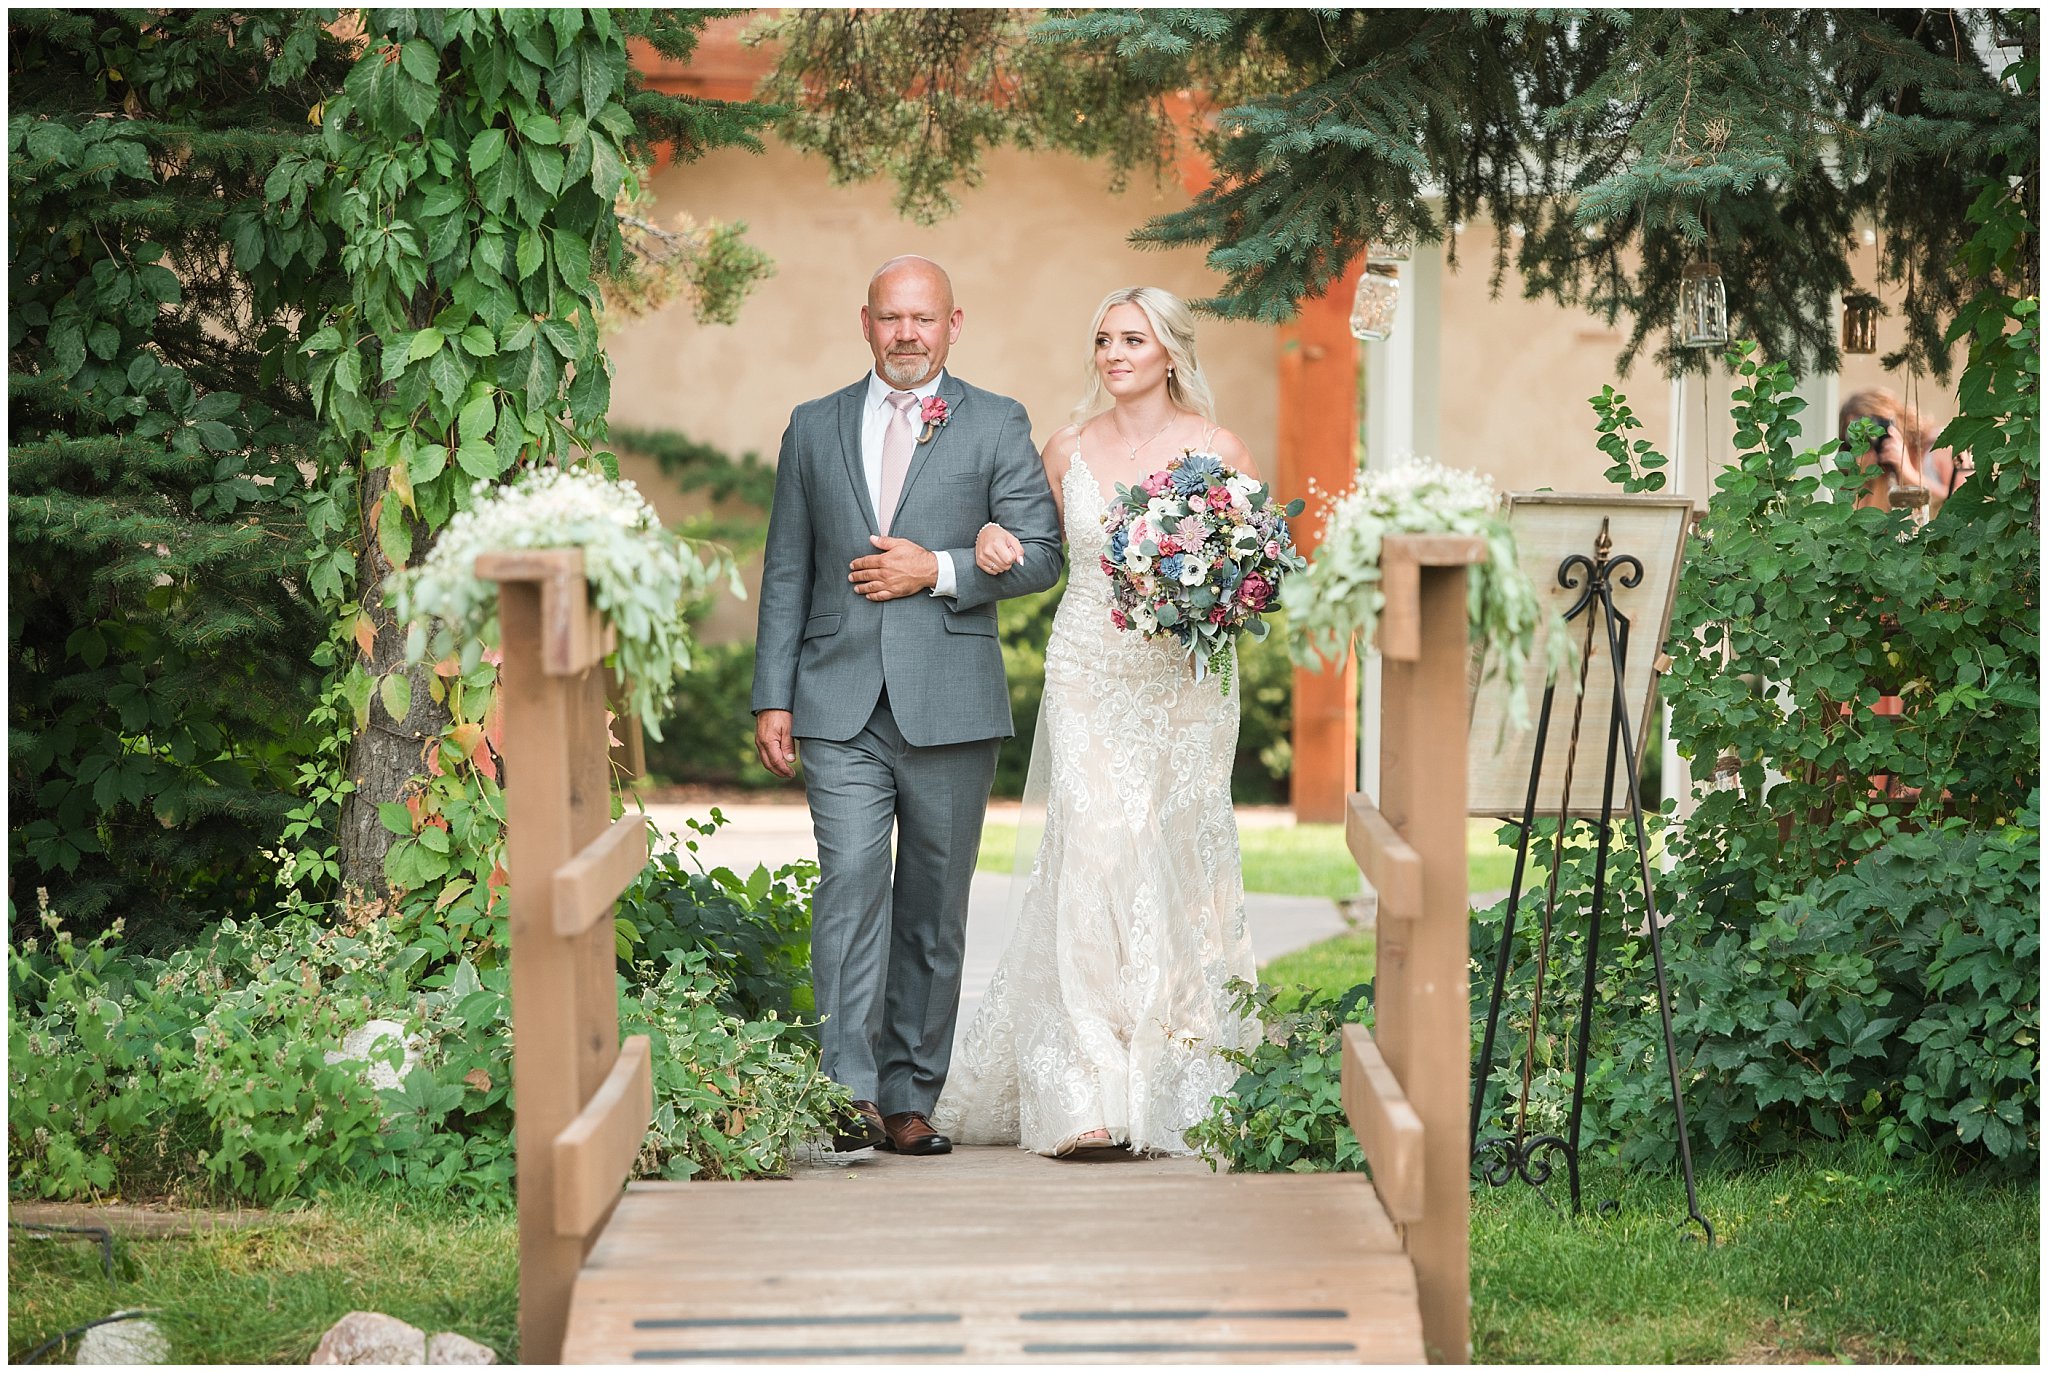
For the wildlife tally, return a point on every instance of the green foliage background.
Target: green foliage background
(160, 624)
(1622, 143)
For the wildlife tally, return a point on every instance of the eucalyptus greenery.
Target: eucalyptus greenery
(1336, 604)
(642, 578)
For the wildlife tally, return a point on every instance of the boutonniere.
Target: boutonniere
(934, 416)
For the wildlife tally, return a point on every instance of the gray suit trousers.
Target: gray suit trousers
(886, 950)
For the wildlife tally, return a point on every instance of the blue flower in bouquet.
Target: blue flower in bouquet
(1196, 472)
(1119, 540)
(1170, 566)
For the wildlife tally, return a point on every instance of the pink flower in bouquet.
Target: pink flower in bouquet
(1119, 619)
(1254, 591)
(1272, 548)
(1157, 484)
(1191, 530)
(1108, 568)
(1168, 547)
(1218, 615)
(1219, 498)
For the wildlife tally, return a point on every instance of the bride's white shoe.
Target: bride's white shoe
(1087, 1139)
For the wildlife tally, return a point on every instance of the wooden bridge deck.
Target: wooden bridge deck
(993, 1255)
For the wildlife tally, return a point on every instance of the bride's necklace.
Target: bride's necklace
(1135, 447)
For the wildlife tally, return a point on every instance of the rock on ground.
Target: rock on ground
(372, 1337)
(449, 1347)
(378, 1037)
(129, 1342)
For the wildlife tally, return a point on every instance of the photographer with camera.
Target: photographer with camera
(1895, 480)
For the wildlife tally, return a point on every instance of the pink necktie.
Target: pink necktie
(897, 445)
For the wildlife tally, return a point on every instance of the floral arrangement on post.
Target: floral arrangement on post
(1338, 600)
(642, 577)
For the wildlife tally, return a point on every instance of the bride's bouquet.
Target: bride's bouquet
(1197, 552)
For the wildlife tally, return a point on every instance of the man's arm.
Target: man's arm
(785, 584)
(1020, 501)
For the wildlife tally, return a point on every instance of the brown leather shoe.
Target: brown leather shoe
(863, 1129)
(910, 1133)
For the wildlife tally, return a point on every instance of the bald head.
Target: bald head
(911, 263)
(910, 320)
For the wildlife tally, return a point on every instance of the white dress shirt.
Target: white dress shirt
(874, 423)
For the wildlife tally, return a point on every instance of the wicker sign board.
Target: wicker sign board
(1550, 527)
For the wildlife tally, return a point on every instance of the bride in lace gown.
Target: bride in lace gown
(1102, 1024)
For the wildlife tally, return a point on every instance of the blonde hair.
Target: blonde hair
(1173, 324)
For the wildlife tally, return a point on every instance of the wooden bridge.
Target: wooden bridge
(988, 1255)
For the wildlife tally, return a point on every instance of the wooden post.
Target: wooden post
(1407, 1083)
(1318, 439)
(564, 996)
(1422, 791)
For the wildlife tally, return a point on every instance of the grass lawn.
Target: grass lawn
(267, 1295)
(1837, 1256)
(1296, 860)
(1337, 964)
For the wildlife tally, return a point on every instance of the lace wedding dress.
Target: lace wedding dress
(1108, 1006)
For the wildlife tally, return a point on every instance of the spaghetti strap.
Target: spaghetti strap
(1210, 437)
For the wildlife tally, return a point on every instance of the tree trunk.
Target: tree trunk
(389, 753)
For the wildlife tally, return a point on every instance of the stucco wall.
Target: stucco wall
(1031, 252)
(1502, 382)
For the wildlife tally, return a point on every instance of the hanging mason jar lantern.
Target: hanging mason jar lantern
(1702, 307)
(1390, 250)
(1372, 308)
(1859, 322)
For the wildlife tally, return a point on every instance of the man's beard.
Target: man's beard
(905, 370)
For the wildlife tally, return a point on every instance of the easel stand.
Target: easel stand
(1531, 1157)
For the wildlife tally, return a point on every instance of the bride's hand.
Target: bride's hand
(996, 550)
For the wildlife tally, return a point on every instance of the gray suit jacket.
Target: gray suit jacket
(824, 652)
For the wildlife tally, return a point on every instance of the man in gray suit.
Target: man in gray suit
(877, 647)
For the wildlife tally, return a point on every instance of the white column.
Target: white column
(1389, 398)
(1677, 776)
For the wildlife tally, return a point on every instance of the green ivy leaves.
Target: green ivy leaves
(471, 167)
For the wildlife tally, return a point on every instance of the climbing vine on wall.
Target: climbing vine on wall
(466, 179)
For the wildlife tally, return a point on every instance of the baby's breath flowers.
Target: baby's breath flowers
(642, 577)
(1338, 600)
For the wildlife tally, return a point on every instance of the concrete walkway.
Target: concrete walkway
(778, 834)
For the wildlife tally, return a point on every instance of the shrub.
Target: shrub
(709, 737)
(731, 1095)
(1285, 1113)
(1898, 998)
(754, 934)
(129, 1073)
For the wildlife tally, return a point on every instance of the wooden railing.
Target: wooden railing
(1406, 1082)
(583, 1100)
